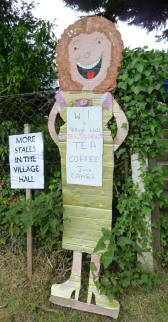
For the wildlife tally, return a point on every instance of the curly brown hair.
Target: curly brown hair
(89, 25)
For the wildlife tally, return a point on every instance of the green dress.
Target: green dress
(87, 209)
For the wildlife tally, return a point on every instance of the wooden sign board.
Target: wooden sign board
(26, 157)
(84, 146)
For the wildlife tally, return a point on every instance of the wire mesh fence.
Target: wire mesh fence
(26, 108)
(20, 109)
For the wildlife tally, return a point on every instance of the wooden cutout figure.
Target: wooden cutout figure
(88, 55)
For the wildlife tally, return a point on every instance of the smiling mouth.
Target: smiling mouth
(89, 71)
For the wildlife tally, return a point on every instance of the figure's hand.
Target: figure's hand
(116, 146)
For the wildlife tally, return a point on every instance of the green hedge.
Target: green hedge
(140, 93)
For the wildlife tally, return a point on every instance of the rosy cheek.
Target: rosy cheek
(99, 48)
(76, 57)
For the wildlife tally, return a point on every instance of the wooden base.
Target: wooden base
(91, 308)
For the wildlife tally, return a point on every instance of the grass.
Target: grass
(22, 300)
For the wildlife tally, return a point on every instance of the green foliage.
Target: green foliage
(128, 238)
(27, 51)
(43, 213)
(164, 238)
(140, 93)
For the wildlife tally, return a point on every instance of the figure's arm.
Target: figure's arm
(58, 106)
(122, 125)
(51, 123)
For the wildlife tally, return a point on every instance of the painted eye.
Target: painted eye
(99, 41)
(75, 48)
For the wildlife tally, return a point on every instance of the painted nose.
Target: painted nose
(87, 54)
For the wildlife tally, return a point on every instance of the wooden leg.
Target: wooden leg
(66, 289)
(101, 300)
(76, 263)
(103, 305)
(95, 259)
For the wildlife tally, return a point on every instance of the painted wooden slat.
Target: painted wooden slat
(84, 237)
(106, 190)
(86, 211)
(83, 223)
(81, 244)
(83, 227)
(81, 247)
(89, 200)
(77, 305)
(107, 185)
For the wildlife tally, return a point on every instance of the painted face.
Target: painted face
(89, 56)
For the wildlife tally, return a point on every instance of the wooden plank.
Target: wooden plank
(164, 164)
(164, 157)
(166, 133)
(84, 246)
(164, 142)
(83, 227)
(93, 213)
(78, 197)
(155, 218)
(166, 184)
(107, 185)
(91, 308)
(29, 231)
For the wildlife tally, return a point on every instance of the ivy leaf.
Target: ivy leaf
(150, 89)
(140, 68)
(136, 89)
(107, 257)
(93, 267)
(122, 85)
(124, 126)
(100, 245)
(106, 233)
(122, 241)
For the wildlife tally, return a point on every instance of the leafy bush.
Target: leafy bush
(164, 238)
(140, 93)
(43, 213)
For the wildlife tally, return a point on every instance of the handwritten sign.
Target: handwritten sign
(84, 145)
(26, 161)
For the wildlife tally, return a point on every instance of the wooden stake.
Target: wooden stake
(29, 231)
(156, 219)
